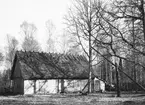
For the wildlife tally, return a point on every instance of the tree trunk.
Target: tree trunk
(134, 56)
(92, 86)
(120, 74)
(117, 81)
(90, 65)
(143, 16)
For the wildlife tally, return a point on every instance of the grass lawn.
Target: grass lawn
(75, 99)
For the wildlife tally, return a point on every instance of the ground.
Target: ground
(74, 99)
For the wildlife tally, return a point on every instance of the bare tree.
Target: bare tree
(50, 28)
(65, 44)
(30, 43)
(131, 32)
(115, 30)
(124, 24)
(1, 56)
(82, 21)
(12, 46)
(69, 43)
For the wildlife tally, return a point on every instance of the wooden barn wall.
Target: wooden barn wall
(18, 82)
(18, 86)
(17, 71)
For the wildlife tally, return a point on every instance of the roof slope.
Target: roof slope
(34, 65)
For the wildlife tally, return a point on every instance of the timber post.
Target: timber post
(34, 86)
(62, 85)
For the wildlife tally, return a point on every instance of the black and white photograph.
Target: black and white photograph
(72, 52)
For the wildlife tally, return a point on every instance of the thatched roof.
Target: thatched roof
(34, 65)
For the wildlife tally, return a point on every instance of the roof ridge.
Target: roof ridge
(57, 54)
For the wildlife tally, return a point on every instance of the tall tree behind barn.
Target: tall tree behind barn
(50, 29)
(30, 43)
(11, 48)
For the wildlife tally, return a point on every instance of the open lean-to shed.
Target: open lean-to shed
(45, 66)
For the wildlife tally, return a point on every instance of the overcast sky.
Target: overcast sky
(14, 12)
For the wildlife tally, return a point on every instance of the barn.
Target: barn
(39, 68)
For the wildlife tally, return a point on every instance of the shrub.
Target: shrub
(5, 83)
